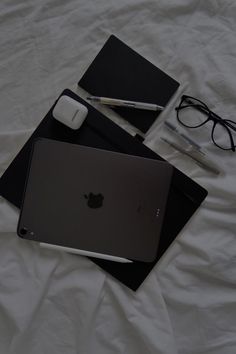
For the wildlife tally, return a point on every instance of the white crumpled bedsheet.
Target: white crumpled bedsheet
(53, 302)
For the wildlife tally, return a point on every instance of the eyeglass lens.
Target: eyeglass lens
(221, 137)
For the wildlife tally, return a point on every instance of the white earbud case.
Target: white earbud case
(70, 112)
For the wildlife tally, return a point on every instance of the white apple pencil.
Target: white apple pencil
(125, 103)
(85, 253)
(195, 155)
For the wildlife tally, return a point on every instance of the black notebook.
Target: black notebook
(185, 195)
(120, 72)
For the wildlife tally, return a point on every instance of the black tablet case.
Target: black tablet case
(120, 72)
(100, 132)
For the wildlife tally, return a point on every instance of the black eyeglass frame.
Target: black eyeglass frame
(211, 116)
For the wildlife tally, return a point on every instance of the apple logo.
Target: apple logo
(94, 201)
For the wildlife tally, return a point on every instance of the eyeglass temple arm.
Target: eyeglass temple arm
(213, 114)
(206, 110)
(230, 125)
(224, 121)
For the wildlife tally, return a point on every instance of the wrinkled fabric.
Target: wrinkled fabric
(52, 302)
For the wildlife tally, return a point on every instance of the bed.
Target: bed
(53, 302)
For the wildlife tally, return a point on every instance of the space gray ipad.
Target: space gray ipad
(95, 200)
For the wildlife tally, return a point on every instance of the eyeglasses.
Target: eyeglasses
(223, 132)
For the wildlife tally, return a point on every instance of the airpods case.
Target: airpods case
(70, 112)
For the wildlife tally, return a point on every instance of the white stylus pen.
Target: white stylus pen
(125, 103)
(85, 253)
(196, 156)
